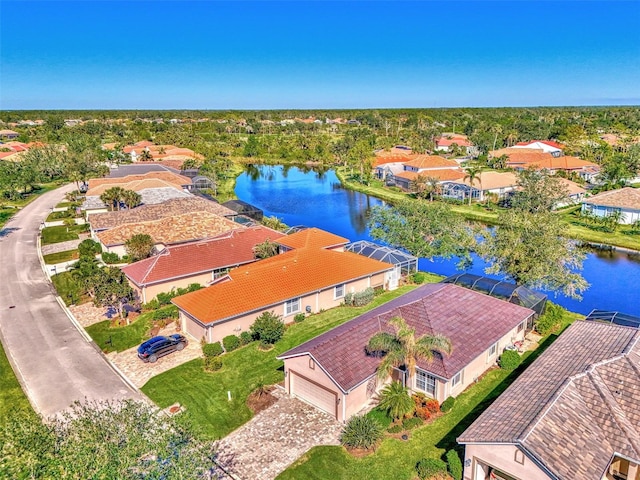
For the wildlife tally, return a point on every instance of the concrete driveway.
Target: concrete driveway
(54, 362)
(275, 438)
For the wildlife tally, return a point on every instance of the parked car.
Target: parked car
(158, 347)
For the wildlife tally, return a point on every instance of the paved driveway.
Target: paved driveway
(275, 438)
(55, 364)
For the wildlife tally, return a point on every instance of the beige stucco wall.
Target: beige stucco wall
(150, 291)
(501, 457)
(358, 398)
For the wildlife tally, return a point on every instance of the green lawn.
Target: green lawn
(205, 394)
(53, 216)
(118, 339)
(6, 214)
(62, 233)
(60, 257)
(396, 459)
(68, 288)
(12, 398)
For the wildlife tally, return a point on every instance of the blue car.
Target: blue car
(158, 347)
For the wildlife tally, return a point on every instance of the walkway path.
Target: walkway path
(275, 438)
(54, 363)
(60, 247)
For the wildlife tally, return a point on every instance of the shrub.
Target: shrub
(212, 364)
(152, 305)
(448, 404)
(230, 342)
(412, 422)
(430, 467)
(425, 407)
(551, 320)
(246, 338)
(380, 416)
(361, 431)
(212, 349)
(166, 312)
(348, 298)
(363, 298)
(165, 298)
(89, 248)
(395, 428)
(509, 360)
(419, 277)
(268, 328)
(110, 258)
(395, 399)
(454, 464)
(299, 317)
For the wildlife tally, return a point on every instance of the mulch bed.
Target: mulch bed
(257, 402)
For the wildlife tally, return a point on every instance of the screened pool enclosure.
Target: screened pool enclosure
(407, 263)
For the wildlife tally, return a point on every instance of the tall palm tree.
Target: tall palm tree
(145, 156)
(130, 198)
(112, 196)
(473, 174)
(403, 349)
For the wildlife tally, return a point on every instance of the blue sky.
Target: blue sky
(321, 54)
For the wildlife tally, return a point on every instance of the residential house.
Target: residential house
(146, 213)
(197, 262)
(497, 184)
(334, 373)
(389, 162)
(524, 158)
(173, 230)
(447, 140)
(156, 152)
(575, 193)
(433, 166)
(625, 200)
(546, 146)
(9, 134)
(315, 274)
(573, 414)
(119, 181)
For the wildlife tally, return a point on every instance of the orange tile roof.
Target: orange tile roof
(447, 142)
(170, 177)
(171, 230)
(554, 163)
(261, 285)
(431, 161)
(493, 180)
(515, 151)
(312, 237)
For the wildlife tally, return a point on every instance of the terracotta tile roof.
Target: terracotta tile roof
(272, 281)
(170, 177)
(171, 230)
(514, 151)
(135, 185)
(447, 142)
(394, 155)
(493, 180)
(443, 175)
(146, 213)
(572, 187)
(431, 161)
(577, 401)
(626, 197)
(227, 250)
(557, 163)
(312, 237)
(471, 320)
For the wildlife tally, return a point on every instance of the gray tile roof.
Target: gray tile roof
(627, 197)
(471, 320)
(150, 196)
(575, 406)
(139, 169)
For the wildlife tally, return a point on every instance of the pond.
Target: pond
(317, 199)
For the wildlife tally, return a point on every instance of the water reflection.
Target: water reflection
(315, 197)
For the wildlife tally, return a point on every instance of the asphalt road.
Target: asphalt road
(54, 362)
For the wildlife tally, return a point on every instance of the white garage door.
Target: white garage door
(313, 393)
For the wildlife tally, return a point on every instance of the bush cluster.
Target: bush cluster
(419, 278)
(448, 404)
(230, 342)
(89, 248)
(413, 422)
(212, 349)
(299, 317)
(551, 320)
(268, 328)
(246, 338)
(212, 364)
(361, 431)
(425, 407)
(509, 360)
(430, 467)
(167, 312)
(454, 464)
(165, 298)
(359, 299)
(395, 428)
(110, 258)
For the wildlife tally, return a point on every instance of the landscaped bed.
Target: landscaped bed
(204, 395)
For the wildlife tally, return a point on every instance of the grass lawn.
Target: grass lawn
(205, 394)
(122, 338)
(53, 216)
(396, 459)
(12, 398)
(62, 233)
(68, 288)
(60, 257)
(6, 214)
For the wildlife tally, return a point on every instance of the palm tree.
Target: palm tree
(145, 156)
(111, 197)
(130, 198)
(395, 399)
(403, 349)
(473, 174)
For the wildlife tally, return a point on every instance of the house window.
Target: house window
(521, 326)
(493, 349)
(519, 457)
(312, 364)
(292, 306)
(426, 383)
(338, 292)
(457, 379)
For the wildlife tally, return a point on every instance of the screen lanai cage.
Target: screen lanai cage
(243, 208)
(616, 318)
(510, 292)
(407, 263)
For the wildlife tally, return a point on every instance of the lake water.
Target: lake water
(318, 200)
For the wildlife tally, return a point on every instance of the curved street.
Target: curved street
(55, 364)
